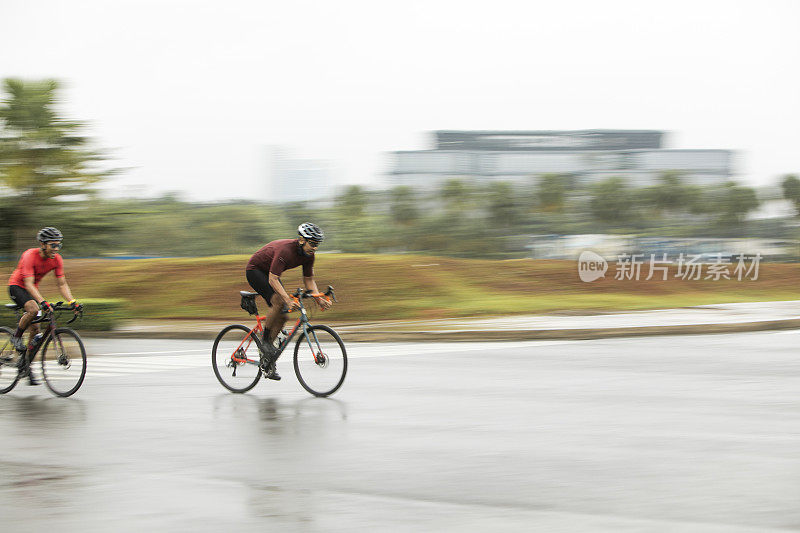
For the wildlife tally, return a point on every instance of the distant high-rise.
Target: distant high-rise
(587, 155)
(297, 180)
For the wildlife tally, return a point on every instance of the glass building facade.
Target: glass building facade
(588, 156)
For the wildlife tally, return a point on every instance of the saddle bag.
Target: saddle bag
(249, 304)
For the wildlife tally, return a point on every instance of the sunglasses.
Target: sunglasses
(313, 244)
(54, 245)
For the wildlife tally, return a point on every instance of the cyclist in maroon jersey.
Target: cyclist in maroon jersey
(264, 271)
(23, 286)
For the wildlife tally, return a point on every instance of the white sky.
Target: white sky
(190, 93)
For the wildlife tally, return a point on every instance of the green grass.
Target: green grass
(390, 287)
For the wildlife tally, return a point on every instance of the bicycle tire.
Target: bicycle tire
(9, 375)
(309, 363)
(214, 362)
(54, 368)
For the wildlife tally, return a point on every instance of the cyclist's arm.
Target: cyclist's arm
(64, 288)
(275, 283)
(32, 290)
(311, 285)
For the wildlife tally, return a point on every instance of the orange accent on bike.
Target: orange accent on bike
(295, 300)
(233, 355)
(321, 295)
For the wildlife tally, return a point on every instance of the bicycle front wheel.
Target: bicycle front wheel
(63, 362)
(235, 358)
(320, 360)
(9, 375)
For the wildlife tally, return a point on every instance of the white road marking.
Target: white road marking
(126, 363)
(363, 350)
(152, 353)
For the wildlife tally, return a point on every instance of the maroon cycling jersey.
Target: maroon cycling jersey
(33, 264)
(281, 255)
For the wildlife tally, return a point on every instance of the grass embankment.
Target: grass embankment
(382, 287)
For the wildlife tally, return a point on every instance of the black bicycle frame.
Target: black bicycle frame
(50, 318)
(304, 322)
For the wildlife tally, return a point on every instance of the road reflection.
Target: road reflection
(49, 411)
(248, 407)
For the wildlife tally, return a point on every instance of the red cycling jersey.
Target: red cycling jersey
(281, 255)
(33, 264)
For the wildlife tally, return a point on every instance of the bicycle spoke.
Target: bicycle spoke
(8, 362)
(235, 357)
(320, 361)
(63, 362)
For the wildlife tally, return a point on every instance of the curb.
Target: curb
(492, 335)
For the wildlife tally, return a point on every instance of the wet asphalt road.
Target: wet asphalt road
(649, 434)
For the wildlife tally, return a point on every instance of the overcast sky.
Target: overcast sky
(189, 93)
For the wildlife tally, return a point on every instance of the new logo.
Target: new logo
(591, 266)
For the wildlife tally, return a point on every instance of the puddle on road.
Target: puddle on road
(39, 410)
(21, 474)
(36, 491)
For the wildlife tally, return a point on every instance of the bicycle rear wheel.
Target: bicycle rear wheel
(9, 357)
(320, 360)
(63, 362)
(235, 358)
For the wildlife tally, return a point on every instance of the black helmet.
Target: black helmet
(310, 231)
(49, 234)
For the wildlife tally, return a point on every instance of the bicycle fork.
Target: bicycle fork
(319, 357)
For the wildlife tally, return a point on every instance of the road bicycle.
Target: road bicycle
(63, 354)
(320, 358)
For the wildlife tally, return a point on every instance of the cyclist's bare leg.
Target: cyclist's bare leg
(31, 310)
(273, 324)
(276, 319)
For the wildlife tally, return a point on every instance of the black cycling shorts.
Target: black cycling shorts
(19, 295)
(259, 280)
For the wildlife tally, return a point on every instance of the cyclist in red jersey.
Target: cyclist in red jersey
(23, 286)
(264, 271)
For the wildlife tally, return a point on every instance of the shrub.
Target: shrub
(99, 314)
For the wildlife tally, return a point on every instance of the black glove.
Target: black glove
(46, 306)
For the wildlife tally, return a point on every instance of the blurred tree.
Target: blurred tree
(504, 212)
(612, 201)
(90, 228)
(353, 227)
(43, 157)
(552, 192)
(696, 202)
(456, 195)
(6, 228)
(403, 205)
(791, 190)
(231, 228)
(670, 194)
(297, 213)
(353, 201)
(736, 202)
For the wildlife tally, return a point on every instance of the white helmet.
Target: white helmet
(310, 231)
